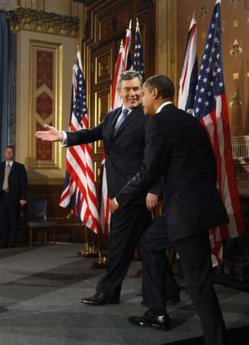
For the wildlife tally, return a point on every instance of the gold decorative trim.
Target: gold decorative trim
(236, 48)
(235, 100)
(39, 21)
(167, 38)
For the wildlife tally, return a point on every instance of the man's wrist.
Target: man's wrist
(115, 201)
(63, 135)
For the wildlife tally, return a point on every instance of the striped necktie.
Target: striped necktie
(121, 119)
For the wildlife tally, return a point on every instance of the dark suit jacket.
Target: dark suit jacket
(179, 149)
(18, 185)
(124, 151)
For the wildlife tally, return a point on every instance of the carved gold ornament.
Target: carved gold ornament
(31, 20)
(237, 49)
(235, 100)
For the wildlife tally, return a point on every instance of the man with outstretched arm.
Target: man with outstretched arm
(123, 133)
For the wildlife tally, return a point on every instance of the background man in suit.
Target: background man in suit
(123, 133)
(13, 195)
(179, 149)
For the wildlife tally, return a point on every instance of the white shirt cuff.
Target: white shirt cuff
(64, 141)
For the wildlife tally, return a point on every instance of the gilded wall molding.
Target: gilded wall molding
(39, 21)
(167, 38)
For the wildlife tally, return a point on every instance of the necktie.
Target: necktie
(6, 177)
(121, 119)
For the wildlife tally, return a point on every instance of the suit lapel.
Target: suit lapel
(125, 123)
(13, 168)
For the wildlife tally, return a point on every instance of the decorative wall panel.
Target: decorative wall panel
(45, 72)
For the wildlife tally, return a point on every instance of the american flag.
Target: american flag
(79, 191)
(138, 52)
(189, 74)
(210, 107)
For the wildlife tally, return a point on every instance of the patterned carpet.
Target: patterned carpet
(40, 289)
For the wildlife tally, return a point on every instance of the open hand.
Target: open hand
(49, 134)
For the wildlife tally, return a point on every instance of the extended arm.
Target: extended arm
(72, 138)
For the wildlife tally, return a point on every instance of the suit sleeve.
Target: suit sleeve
(24, 183)
(85, 136)
(157, 189)
(155, 158)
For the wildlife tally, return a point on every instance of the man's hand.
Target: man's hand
(50, 134)
(22, 202)
(113, 205)
(151, 201)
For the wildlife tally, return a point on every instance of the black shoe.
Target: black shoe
(99, 299)
(4, 245)
(149, 320)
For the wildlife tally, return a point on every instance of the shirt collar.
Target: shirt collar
(162, 105)
(10, 163)
(129, 110)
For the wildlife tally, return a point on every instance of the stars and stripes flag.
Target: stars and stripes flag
(189, 74)
(79, 190)
(210, 107)
(138, 64)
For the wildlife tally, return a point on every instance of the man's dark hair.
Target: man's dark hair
(129, 75)
(10, 147)
(163, 84)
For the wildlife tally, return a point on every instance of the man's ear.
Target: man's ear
(155, 93)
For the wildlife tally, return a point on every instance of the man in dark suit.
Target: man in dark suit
(179, 149)
(13, 196)
(123, 133)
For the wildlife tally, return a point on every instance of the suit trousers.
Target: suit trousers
(195, 255)
(168, 288)
(127, 225)
(9, 218)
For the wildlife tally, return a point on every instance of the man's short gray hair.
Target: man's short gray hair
(129, 75)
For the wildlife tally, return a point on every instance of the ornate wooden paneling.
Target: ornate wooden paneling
(235, 28)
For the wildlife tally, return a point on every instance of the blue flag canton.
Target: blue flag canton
(79, 104)
(210, 81)
(138, 55)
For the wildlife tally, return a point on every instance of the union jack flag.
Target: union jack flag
(189, 74)
(79, 190)
(210, 107)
